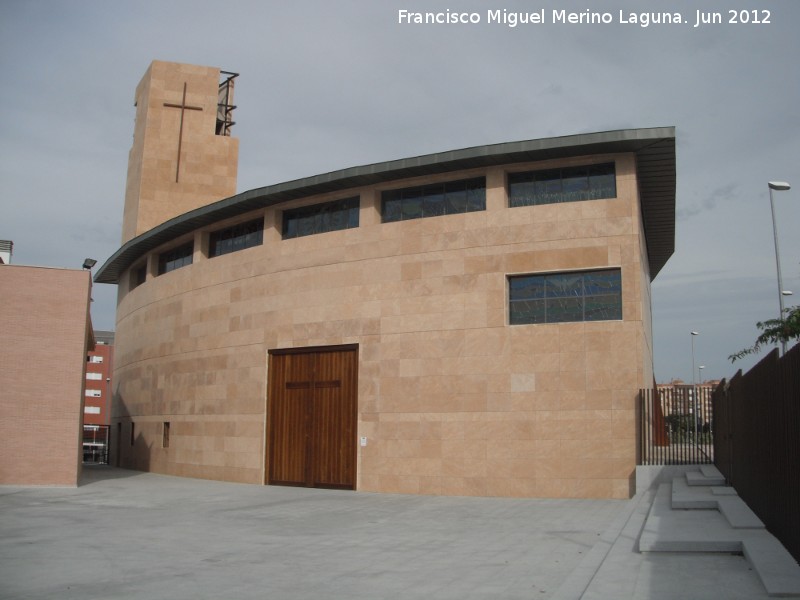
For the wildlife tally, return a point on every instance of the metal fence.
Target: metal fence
(676, 426)
(757, 444)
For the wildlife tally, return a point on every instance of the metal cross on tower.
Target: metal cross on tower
(184, 107)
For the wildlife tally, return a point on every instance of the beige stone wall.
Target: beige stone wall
(208, 162)
(648, 361)
(452, 400)
(44, 323)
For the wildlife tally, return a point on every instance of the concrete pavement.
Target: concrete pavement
(125, 534)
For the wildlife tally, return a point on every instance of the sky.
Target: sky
(326, 85)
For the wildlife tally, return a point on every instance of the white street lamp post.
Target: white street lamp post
(694, 387)
(702, 401)
(778, 186)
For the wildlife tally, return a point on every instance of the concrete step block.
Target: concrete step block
(733, 527)
(776, 568)
(668, 530)
(685, 497)
(662, 545)
(712, 472)
(723, 499)
(738, 513)
(700, 478)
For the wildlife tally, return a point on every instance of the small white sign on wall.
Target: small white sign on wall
(363, 440)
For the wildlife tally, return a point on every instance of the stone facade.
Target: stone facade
(177, 161)
(452, 398)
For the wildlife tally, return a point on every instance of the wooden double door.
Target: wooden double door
(313, 403)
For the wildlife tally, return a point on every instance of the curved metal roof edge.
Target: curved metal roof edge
(655, 149)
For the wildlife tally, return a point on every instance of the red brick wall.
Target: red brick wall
(102, 385)
(44, 320)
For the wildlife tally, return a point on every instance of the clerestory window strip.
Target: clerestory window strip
(434, 200)
(569, 184)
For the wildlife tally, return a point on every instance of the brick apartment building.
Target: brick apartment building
(97, 403)
(680, 398)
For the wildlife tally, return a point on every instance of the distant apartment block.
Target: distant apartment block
(97, 402)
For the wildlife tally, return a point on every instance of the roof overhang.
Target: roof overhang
(655, 165)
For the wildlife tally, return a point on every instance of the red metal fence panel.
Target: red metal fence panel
(676, 426)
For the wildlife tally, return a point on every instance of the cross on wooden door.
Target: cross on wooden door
(184, 107)
(313, 397)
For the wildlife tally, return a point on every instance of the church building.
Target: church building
(471, 322)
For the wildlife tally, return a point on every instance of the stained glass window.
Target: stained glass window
(565, 297)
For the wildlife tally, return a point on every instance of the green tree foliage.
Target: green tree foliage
(774, 331)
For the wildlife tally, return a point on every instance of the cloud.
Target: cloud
(328, 85)
(725, 193)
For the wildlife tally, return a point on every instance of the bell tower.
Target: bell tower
(183, 156)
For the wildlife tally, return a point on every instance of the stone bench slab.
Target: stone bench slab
(707, 475)
(723, 499)
(675, 530)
